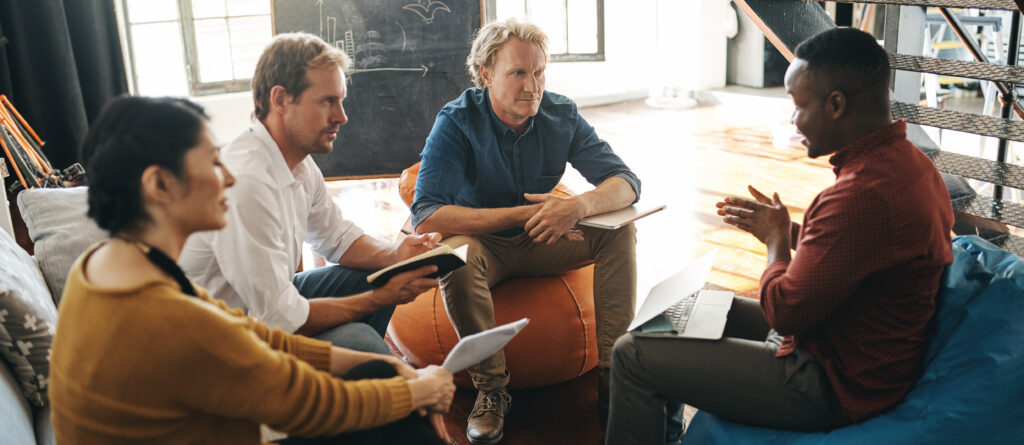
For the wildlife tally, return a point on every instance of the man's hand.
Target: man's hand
(412, 245)
(766, 218)
(404, 287)
(555, 219)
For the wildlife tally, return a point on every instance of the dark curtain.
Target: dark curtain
(60, 64)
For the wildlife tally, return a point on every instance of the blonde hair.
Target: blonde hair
(492, 36)
(285, 62)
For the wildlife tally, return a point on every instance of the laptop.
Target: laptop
(680, 306)
(618, 218)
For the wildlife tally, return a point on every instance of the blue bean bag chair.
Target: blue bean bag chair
(972, 389)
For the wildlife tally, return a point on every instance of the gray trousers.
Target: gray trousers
(492, 259)
(737, 378)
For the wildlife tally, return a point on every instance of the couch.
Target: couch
(971, 390)
(30, 289)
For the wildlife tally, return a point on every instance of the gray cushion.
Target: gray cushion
(28, 319)
(15, 414)
(58, 225)
(44, 427)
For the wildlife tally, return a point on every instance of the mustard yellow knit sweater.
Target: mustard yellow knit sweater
(151, 364)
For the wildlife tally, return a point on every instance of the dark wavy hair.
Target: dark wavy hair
(129, 135)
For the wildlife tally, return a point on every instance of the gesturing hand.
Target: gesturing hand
(766, 218)
(555, 219)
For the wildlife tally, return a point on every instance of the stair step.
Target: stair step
(1003, 211)
(1008, 5)
(994, 172)
(960, 121)
(958, 68)
(1010, 243)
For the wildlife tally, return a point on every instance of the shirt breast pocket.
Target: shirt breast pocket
(546, 183)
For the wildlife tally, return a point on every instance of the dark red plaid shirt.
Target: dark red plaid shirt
(860, 290)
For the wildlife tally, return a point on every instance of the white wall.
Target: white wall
(229, 114)
(631, 39)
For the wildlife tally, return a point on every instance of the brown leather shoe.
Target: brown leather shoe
(487, 420)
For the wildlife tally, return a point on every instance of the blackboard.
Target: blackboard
(409, 59)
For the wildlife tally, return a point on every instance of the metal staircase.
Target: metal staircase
(786, 23)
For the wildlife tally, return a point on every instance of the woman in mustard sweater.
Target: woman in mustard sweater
(142, 355)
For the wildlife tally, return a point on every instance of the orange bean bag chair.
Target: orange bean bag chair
(559, 344)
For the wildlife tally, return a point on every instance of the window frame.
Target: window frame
(190, 51)
(490, 14)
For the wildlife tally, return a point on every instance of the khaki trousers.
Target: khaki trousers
(493, 259)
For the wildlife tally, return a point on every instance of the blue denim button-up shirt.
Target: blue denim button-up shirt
(472, 159)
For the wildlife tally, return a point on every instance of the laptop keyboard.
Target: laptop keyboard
(680, 312)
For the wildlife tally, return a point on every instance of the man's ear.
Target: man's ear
(485, 75)
(279, 97)
(835, 104)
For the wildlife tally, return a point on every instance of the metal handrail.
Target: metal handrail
(958, 27)
(1006, 90)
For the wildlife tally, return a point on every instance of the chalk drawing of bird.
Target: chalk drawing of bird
(427, 11)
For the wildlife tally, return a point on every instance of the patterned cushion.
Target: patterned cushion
(28, 319)
(60, 229)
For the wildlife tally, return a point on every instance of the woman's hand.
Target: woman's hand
(433, 389)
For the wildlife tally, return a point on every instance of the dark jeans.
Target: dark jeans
(366, 334)
(410, 430)
(737, 378)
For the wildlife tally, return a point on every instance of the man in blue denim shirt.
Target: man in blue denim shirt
(488, 167)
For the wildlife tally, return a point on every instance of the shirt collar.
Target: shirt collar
(896, 130)
(499, 127)
(278, 166)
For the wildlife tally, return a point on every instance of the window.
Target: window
(575, 28)
(194, 47)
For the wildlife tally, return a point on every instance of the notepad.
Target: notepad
(618, 218)
(472, 349)
(445, 258)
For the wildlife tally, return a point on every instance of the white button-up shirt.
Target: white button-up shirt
(271, 210)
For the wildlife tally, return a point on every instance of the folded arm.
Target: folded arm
(457, 220)
(557, 215)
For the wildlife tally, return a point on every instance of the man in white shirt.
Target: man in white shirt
(279, 200)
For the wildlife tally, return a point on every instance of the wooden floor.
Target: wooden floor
(687, 159)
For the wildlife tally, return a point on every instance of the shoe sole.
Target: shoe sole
(486, 442)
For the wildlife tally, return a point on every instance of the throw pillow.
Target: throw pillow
(58, 225)
(28, 320)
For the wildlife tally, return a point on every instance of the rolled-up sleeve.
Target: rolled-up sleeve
(252, 261)
(442, 168)
(595, 160)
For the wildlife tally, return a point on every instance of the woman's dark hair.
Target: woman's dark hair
(129, 135)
